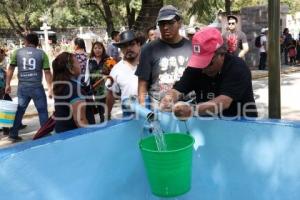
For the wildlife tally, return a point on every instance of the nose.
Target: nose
(165, 27)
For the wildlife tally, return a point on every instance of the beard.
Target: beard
(130, 56)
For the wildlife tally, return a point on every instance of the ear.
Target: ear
(180, 23)
(71, 71)
(70, 68)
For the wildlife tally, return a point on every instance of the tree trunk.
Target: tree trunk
(108, 16)
(130, 15)
(227, 7)
(147, 15)
(105, 12)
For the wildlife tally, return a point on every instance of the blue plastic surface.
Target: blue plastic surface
(233, 160)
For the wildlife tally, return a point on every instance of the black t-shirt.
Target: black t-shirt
(63, 103)
(234, 81)
(161, 64)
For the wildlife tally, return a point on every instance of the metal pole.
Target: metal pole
(274, 59)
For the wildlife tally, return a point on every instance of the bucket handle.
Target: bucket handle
(186, 127)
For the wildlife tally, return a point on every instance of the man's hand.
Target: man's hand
(50, 93)
(183, 110)
(7, 89)
(166, 103)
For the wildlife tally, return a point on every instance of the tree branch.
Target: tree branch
(90, 3)
(16, 22)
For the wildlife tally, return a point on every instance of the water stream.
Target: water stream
(154, 127)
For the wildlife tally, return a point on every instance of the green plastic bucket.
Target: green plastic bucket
(169, 172)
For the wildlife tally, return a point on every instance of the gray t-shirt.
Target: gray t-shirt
(162, 64)
(31, 62)
(234, 41)
(113, 51)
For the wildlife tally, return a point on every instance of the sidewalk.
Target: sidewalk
(285, 69)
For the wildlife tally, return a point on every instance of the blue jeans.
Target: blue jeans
(25, 94)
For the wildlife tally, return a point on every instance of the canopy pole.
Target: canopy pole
(274, 59)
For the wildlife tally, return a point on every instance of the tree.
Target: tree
(19, 12)
(205, 9)
(228, 7)
(148, 14)
(103, 7)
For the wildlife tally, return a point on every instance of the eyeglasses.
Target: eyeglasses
(168, 22)
(128, 44)
(231, 23)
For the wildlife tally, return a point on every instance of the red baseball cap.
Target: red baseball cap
(204, 43)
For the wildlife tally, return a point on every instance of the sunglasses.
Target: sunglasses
(168, 22)
(231, 23)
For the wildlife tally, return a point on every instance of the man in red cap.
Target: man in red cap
(222, 82)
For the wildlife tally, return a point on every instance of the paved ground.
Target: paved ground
(290, 102)
(290, 86)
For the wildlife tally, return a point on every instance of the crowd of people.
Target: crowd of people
(290, 48)
(163, 70)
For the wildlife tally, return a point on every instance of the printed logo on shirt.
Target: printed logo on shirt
(232, 42)
(171, 69)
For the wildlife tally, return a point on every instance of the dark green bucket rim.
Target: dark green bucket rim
(168, 151)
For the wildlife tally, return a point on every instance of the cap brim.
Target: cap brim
(123, 42)
(200, 62)
(166, 18)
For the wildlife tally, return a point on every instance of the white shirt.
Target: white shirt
(263, 39)
(125, 80)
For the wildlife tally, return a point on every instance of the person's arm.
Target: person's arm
(181, 87)
(48, 74)
(244, 50)
(142, 91)
(48, 77)
(244, 45)
(9, 75)
(265, 45)
(79, 113)
(168, 101)
(144, 72)
(110, 100)
(214, 106)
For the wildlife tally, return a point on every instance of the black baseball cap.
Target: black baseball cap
(168, 13)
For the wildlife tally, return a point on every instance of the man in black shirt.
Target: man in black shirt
(163, 61)
(222, 82)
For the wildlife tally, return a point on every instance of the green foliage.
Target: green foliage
(294, 5)
(63, 17)
(72, 13)
(206, 10)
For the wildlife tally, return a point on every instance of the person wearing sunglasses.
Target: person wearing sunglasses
(221, 81)
(163, 61)
(235, 39)
(123, 73)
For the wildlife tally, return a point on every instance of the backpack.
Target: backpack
(257, 41)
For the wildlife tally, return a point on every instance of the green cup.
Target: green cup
(169, 172)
